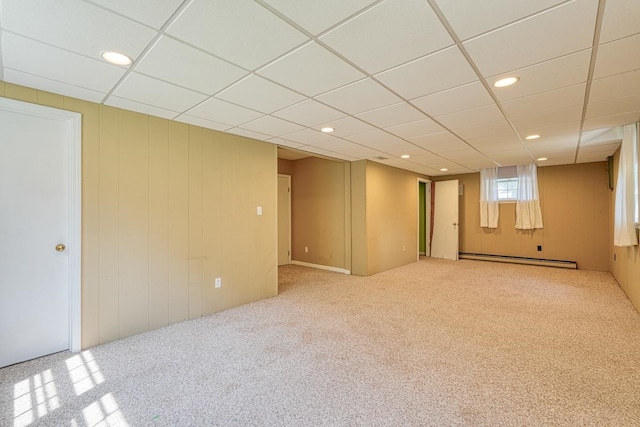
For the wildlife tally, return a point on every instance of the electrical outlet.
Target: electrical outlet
(218, 282)
(306, 249)
(539, 248)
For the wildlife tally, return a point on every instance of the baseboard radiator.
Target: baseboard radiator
(520, 260)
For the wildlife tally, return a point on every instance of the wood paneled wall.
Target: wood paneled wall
(166, 208)
(575, 212)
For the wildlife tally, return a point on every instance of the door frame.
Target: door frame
(288, 213)
(427, 216)
(73, 122)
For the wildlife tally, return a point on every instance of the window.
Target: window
(507, 189)
(507, 184)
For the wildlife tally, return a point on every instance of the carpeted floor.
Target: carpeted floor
(434, 343)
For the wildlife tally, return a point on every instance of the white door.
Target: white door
(35, 233)
(284, 219)
(445, 220)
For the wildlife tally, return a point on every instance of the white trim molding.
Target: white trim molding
(321, 267)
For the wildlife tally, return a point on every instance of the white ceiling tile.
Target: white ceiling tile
(185, 66)
(566, 97)
(347, 126)
(312, 70)
(240, 31)
(593, 156)
(479, 164)
(498, 147)
(512, 157)
(285, 142)
(459, 98)
(614, 87)
(509, 139)
(614, 120)
(485, 130)
(621, 19)
(608, 148)
(440, 142)
(561, 131)
(29, 56)
(147, 90)
(317, 16)
(224, 112)
(613, 107)
(445, 69)
(547, 119)
(391, 33)
(272, 126)
(150, 12)
(318, 150)
(37, 82)
(536, 39)
(552, 161)
(358, 97)
(417, 128)
(198, 121)
(471, 17)
(382, 141)
(476, 116)
(618, 57)
(259, 94)
(604, 136)
(76, 26)
(309, 113)
(307, 136)
(139, 107)
(558, 73)
(391, 115)
(249, 134)
(347, 148)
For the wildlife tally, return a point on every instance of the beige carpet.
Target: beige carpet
(434, 343)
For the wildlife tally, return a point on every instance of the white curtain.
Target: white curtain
(624, 233)
(528, 213)
(489, 210)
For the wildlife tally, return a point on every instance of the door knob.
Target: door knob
(60, 247)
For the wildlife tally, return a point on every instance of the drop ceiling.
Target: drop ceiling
(392, 77)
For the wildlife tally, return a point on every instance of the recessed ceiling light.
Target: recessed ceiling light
(534, 136)
(327, 130)
(116, 58)
(405, 156)
(542, 159)
(507, 81)
(444, 170)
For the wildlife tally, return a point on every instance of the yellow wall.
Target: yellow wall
(390, 217)
(166, 208)
(626, 267)
(575, 212)
(285, 167)
(320, 212)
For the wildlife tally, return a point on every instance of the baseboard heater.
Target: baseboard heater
(519, 260)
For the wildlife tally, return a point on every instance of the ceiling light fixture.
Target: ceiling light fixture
(405, 156)
(327, 130)
(534, 136)
(116, 58)
(507, 81)
(542, 159)
(444, 170)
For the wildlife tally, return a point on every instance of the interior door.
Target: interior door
(284, 219)
(34, 232)
(445, 220)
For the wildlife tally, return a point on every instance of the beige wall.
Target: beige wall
(285, 167)
(166, 208)
(385, 202)
(626, 267)
(575, 212)
(321, 212)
